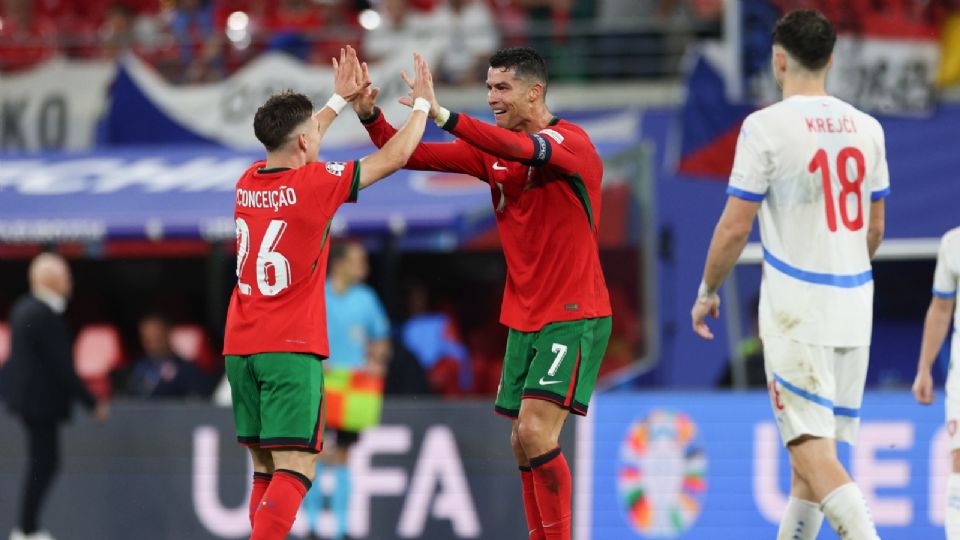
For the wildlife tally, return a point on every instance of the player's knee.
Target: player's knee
(531, 433)
(956, 461)
(809, 456)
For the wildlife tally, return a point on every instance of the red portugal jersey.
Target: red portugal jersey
(545, 188)
(283, 221)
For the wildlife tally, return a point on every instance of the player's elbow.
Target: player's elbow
(875, 233)
(734, 231)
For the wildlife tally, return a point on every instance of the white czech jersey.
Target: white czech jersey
(816, 163)
(946, 282)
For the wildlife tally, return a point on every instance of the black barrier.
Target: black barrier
(433, 470)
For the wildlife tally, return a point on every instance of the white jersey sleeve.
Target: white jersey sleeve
(880, 179)
(752, 163)
(946, 278)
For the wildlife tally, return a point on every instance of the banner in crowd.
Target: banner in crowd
(699, 466)
(432, 470)
(222, 112)
(54, 106)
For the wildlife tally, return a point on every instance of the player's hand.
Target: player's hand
(366, 102)
(702, 308)
(923, 387)
(102, 411)
(348, 80)
(421, 86)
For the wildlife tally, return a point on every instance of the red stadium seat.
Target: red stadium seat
(96, 352)
(190, 342)
(4, 342)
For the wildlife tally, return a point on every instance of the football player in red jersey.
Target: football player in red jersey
(276, 331)
(544, 175)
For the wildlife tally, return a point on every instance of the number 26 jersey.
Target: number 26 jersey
(283, 221)
(816, 163)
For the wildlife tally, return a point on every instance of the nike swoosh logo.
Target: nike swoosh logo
(498, 167)
(545, 383)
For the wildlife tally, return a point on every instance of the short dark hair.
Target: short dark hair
(339, 248)
(808, 36)
(527, 62)
(279, 116)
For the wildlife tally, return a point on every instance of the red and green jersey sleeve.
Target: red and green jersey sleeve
(455, 157)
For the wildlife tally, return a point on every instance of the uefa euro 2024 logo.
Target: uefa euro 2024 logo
(662, 475)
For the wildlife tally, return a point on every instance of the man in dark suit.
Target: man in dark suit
(40, 382)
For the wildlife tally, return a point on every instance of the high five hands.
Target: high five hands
(421, 87)
(350, 78)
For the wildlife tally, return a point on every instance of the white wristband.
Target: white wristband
(442, 116)
(421, 104)
(336, 103)
(705, 292)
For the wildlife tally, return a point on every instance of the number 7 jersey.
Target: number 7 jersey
(283, 221)
(816, 163)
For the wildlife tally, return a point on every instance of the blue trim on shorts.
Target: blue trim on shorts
(745, 195)
(846, 281)
(846, 411)
(819, 400)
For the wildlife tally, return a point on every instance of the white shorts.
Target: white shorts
(815, 390)
(953, 406)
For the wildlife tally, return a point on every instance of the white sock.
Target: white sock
(953, 507)
(801, 521)
(847, 511)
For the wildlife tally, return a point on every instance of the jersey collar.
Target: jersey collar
(272, 170)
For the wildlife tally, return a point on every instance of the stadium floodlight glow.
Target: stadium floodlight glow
(369, 19)
(238, 20)
(238, 29)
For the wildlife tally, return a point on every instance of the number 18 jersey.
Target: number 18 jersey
(283, 222)
(816, 163)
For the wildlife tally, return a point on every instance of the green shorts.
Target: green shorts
(278, 400)
(559, 364)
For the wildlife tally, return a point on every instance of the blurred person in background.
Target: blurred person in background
(432, 337)
(943, 307)
(276, 330)
(41, 383)
(359, 333)
(545, 177)
(816, 293)
(401, 29)
(160, 372)
(470, 38)
(199, 40)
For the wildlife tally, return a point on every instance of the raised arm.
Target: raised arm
(395, 153)
(455, 157)
(348, 84)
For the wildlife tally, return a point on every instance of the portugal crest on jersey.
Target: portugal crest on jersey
(336, 168)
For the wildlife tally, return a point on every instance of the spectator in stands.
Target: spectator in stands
(400, 29)
(433, 338)
(116, 33)
(471, 38)
(553, 30)
(41, 384)
(160, 373)
(359, 334)
(199, 41)
(26, 37)
(293, 27)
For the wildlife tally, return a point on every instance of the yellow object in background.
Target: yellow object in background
(949, 73)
